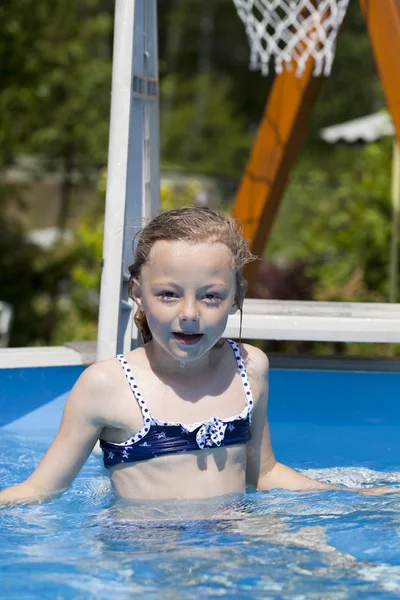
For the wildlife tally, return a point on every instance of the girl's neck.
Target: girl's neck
(160, 361)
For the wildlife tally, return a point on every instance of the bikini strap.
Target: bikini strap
(244, 377)
(148, 417)
(132, 384)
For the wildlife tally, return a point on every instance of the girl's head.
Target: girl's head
(191, 226)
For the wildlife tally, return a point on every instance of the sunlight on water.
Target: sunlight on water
(335, 545)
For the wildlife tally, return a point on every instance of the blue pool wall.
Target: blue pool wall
(323, 413)
(24, 390)
(298, 393)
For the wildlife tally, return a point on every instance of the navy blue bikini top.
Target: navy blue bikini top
(164, 437)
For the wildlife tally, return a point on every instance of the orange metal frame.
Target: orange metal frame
(286, 118)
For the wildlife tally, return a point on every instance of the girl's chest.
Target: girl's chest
(173, 404)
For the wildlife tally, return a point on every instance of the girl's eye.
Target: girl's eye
(212, 299)
(167, 296)
(209, 299)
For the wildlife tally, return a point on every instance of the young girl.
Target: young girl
(185, 415)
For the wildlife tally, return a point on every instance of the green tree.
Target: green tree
(54, 104)
(56, 86)
(336, 216)
(219, 127)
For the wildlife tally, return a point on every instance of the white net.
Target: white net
(292, 30)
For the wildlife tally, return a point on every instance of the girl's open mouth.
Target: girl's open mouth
(188, 339)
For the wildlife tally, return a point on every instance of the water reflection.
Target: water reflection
(269, 545)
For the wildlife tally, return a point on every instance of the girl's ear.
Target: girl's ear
(135, 292)
(234, 308)
(241, 287)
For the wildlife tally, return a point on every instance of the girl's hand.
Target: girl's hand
(80, 428)
(381, 490)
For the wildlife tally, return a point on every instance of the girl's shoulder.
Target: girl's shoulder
(99, 378)
(257, 366)
(254, 358)
(103, 372)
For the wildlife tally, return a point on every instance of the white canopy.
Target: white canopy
(366, 129)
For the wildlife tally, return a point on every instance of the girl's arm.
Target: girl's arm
(80, 428)
(263, 471)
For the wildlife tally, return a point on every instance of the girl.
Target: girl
(183, 416)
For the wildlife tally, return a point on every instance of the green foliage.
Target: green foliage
(77, 303)
(72, 93)
(336, 216)
(56, 79)
(54, 104)
(203, 117)
(54, 293)
(353, 89)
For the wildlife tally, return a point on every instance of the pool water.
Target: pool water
(335, 544)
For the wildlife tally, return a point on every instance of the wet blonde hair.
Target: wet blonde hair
(192, 225)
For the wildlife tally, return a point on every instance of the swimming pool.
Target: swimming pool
(334, 424)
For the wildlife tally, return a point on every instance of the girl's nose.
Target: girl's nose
(192, 318)
(189, 312)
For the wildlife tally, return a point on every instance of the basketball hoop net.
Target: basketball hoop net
(292, 30)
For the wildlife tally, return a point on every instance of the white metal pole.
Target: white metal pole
(143, 179)
(133, 160)
(110, 291)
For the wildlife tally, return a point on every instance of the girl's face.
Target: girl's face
(187, 292)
